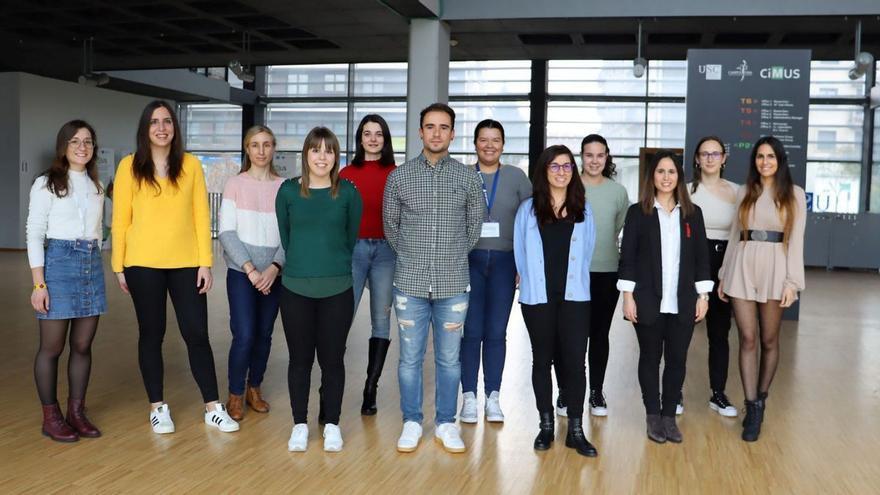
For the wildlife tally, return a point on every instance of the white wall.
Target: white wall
(33, 109)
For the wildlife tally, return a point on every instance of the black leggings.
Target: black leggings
(53, 334)
(667, 338)
(717, 323)
(604, 296)
(562, 326)
(149, 289)
(316, 325)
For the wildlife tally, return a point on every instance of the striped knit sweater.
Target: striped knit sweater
(248, 225)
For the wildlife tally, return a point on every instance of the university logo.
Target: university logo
(742, 71)
(712, 71)
(778, 72)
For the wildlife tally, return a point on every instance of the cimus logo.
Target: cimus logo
(742, 71)
(712, 71)
(779, 72)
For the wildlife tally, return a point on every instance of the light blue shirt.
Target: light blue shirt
(528, 249)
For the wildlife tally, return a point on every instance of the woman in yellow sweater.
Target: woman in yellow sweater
(162, 245)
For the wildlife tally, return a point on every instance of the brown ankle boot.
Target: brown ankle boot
(235, 407)
(255, 400)
(55, 427)
(76, 417)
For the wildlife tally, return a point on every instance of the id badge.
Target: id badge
(491, 230)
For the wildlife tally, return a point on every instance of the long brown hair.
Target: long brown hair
(649, 192)
(142, 166)
(542, 203)
(253, 131)
(57, 179)
(698, 171)
(314, 139)
(784, 188)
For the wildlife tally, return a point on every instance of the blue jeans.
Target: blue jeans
(493, 283)
(414, 316)
(373, 260)
(251, 319)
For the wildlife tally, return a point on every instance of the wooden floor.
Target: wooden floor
(821, 435)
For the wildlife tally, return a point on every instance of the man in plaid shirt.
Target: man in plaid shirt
(433, 210)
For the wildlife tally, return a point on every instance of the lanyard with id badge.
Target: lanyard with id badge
(490, 229)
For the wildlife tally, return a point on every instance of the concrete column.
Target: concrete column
(427, 74)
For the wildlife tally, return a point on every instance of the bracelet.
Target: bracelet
(248, 274)
(41, 285)
(277, 265)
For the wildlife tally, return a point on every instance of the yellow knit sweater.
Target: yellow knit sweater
(171, 229)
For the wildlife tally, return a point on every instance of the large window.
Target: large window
(213, 134)
(834, 156)
(875, 166)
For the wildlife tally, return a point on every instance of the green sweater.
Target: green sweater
(318, 234)
(609, 203)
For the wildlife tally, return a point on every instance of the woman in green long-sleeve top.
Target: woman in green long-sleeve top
(318, 219)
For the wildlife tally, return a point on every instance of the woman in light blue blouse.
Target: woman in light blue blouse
(553, 239)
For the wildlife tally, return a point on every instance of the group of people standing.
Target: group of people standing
(446, 245)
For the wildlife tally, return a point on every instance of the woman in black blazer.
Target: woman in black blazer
(665, 280)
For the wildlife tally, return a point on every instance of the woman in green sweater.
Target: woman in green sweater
(318, 219)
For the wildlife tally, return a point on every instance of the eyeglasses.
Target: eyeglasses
(76, 143)
(715, 155)
(564, 167)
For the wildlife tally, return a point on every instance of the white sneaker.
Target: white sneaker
(409, 437)
(679, 408)
(468, 412)
(299, 438)
(493, 408)
(160, 419)
(219, 418)
(450, 436)
(332, 438)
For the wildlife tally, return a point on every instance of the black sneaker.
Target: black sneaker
(720, 404)
(561, 406)
(598, 407)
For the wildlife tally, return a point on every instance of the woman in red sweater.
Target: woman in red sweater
(373, 259)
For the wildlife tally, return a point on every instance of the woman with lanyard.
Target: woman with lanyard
(717, 198)
(763, 270)
(63, 233)
(492, 274)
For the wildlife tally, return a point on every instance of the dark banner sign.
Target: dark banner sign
(741, 95)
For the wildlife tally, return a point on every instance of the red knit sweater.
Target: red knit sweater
(369, 179)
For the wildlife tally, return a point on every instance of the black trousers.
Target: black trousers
(316, 325)
(562, 326)
(667, 338)
(604, 296)
(717, 323)
(149, 289)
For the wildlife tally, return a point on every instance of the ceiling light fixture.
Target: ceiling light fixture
(89, 77)
(640, 64)
(863, 60)
(240, 71)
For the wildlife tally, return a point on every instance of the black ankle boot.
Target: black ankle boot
(547, 433)
(576, 439)
(753, 420)
(378, 352)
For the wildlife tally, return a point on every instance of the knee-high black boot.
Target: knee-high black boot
(377, 353)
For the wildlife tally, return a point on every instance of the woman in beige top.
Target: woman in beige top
(764, 270)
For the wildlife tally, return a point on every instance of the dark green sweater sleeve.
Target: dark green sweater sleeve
(355, 208)
(281, 201)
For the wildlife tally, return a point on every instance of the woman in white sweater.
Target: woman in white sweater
(63, 241)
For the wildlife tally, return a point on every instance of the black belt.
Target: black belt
(763, 236)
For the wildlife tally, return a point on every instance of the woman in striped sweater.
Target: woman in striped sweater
(253, 253)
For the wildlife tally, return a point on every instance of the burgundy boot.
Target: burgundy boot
(55, 427)
(76, 417)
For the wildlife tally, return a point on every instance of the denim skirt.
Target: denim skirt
(75, 279)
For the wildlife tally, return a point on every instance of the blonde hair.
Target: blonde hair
(314, 139)
(253, 131)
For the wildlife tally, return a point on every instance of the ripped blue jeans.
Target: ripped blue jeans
(415, 315)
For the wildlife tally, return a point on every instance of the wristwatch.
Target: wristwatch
(704, 296)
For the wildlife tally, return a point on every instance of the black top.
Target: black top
(556, 240)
